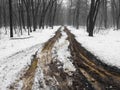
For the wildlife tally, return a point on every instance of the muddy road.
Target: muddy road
(63, 64)
(93, 74)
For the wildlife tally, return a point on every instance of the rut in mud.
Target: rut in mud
(56, 71)
(89, 72)
(44, 60)
(93, 74)
(26, 81)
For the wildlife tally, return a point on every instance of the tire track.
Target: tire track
(28, 78)
(97, 75)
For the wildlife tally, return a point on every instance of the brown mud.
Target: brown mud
(96, 75)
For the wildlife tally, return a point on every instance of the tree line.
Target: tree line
(28, 15)
(94, 13)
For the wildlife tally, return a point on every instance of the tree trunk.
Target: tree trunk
(91, 19)
(10, 14)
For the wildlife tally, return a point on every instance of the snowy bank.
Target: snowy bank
(10, 46)
(105, 44)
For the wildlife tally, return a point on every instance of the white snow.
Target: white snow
(105, 44)
(63, 54)
(10, 46)
(12, 67)
(15, 54)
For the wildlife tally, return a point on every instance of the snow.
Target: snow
(105, 44)
(16, 44)
(16, 55)
(11, 67)
(63, 54)
(39, 79)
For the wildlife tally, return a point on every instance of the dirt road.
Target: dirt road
(77, 69)
(96, 75)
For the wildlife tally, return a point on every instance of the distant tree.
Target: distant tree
(27, 4)
(35, 9)
(115, 13)
(104, 2)
(77, 16)
(118, 15)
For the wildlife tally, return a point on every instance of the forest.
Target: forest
(59, 44)
(31, 14)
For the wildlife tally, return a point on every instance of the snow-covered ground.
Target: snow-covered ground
(10, 46)
(15, 54)
(105, 44)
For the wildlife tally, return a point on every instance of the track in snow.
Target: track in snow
(26, 81)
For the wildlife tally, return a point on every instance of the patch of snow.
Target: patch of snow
(63, 54)
(39, 79)
(106, 46)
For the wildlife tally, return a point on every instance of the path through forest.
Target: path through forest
(63, 64)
